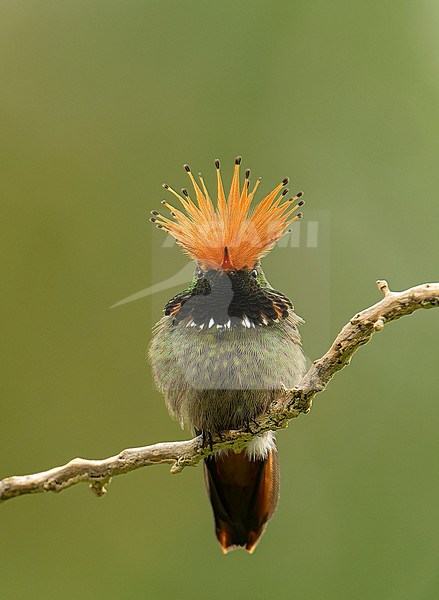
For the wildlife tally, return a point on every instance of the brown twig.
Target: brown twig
(354, 334)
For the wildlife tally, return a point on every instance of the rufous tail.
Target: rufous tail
(243, 492)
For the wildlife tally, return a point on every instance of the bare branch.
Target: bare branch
(97, 472)
(354, 334)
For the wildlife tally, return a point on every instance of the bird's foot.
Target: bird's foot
(247, 427)
(206, 439)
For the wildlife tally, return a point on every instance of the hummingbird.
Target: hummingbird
(228, 345)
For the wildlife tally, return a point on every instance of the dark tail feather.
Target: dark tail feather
(244, 494)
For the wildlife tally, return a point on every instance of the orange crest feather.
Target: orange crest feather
(229, 235)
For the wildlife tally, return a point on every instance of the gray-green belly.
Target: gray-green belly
(220, 379)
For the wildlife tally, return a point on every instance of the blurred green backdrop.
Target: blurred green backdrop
(103, 101)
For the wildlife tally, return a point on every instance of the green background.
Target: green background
(102, 101)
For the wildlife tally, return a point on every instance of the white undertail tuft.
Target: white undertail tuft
(260, 446)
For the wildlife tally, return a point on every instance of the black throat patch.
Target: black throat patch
(228, 299)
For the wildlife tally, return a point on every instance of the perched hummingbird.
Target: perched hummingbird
(228, 345)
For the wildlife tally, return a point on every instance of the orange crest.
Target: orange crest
(230, 235)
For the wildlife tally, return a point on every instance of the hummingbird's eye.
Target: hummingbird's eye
(254, 273)
(199, 273)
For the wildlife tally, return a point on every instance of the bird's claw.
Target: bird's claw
(206, 439)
